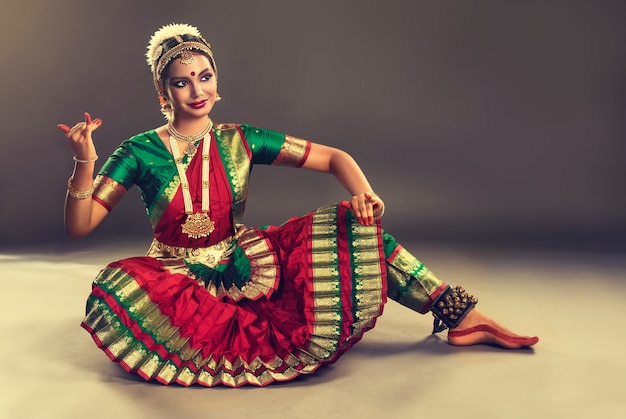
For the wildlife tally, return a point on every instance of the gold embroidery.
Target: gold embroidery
(209, 256)
(142, 306)
(406, 262)
(327, 311)
(186, 377)
(109, 191)
(167, 373)
(264, 270)
(319, 352)
(326, 287)
(120, 346)
(131, 353)
(292, 152)
(151, 366)
(135, 357)
(163, 201)
(327, 316)
(326, 272)
(368, 271)
(324, 258)
(264, 274)
(236, 164)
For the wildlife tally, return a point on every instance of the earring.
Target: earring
(166, 106)
(217, 97)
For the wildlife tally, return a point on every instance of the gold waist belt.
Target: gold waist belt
(209, 256)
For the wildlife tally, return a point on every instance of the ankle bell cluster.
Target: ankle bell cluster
(451, 307)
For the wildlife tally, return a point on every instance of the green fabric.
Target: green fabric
(389, 244)
(409, 281)
(264, 144)
(144, 160)
(236, 272)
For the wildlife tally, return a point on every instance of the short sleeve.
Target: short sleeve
(121, 166)
(274, 148)
(115, 177)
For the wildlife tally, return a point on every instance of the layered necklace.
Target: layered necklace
(196, 224)
(191, 140)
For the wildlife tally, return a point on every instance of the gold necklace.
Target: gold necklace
(191, 140)
(200, 224)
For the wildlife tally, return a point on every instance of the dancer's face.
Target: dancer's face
(191, 88)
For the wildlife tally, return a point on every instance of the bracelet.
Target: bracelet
(379, 214)
(78, 194)
(77, 160)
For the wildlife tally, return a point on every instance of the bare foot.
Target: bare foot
(476, 328)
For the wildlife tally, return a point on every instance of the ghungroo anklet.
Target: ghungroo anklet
(451, 307)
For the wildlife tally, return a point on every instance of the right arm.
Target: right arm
(82, 216)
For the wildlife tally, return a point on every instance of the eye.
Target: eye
(206, 77)
(179, 83)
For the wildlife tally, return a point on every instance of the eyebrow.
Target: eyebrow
(184, 77)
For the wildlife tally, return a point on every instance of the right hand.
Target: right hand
(79, 137)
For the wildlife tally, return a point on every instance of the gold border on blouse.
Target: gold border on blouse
(108, 190)
(292, 152)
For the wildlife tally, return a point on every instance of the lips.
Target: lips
(198, 105)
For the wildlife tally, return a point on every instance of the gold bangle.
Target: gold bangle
(78, 194)
(379, 214)
(77, 160)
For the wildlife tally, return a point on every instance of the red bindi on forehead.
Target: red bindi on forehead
(193, 73)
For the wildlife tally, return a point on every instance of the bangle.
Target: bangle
(379, 214)
(77, 160)
(78, 194)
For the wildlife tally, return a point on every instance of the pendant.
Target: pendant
(198, 225)
(191, 149)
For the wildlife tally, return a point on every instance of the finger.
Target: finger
(364, 211)
(87, 118)
(370, 214)
(379, 209)
(356, 208)
(64, 128)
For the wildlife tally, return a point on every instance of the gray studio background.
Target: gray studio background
(494, 121)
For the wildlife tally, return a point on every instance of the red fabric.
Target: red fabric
(168, 230)
(263, 328)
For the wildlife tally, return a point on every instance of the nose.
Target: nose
(196, 90)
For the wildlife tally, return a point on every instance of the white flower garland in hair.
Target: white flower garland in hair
(166, 32)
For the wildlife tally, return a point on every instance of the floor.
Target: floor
(573, 301)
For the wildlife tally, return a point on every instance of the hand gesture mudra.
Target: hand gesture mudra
(79, 138)
(367, 207)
